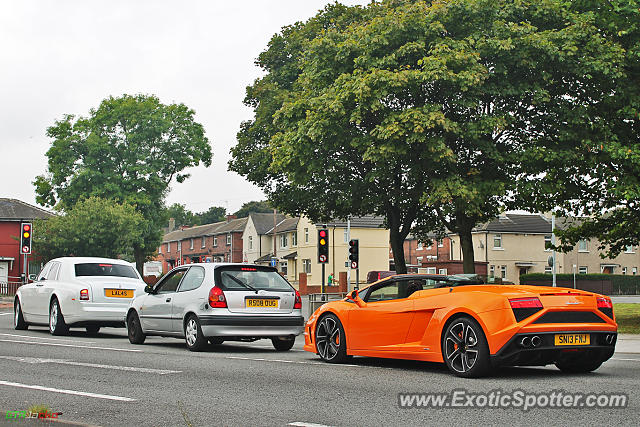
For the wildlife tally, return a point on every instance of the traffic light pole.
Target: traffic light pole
(323, 278)
(357, 279)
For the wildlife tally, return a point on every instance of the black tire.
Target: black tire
(134, 329)
(331, 343)
(216, 341)
(57, 325)
(283, 343)
(464, 348)
(93, 329)
(193, 335)
(579, 364)
(18, 319)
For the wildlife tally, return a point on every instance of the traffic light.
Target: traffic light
(26, 230)
(323, 246)
(354, 252)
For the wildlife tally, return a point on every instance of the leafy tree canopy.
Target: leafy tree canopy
(254, 207)
(93, 227)
(420, 111)
(213, 214)
(129, 150)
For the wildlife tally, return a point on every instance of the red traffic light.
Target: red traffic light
(323, 233)
(26, 227)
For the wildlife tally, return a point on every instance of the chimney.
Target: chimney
(230, 217)
(172, 224)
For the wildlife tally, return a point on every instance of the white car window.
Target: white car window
(44, 272)
(192, 280)
(53, 272)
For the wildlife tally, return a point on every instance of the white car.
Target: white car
(78, 292)
(216, 303)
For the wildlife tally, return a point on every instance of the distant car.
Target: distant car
(470, 327)
(374, 276)
(218, 302)
(78, 292)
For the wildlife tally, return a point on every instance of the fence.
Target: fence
(608, 284)
(316, 300)
(10, 287)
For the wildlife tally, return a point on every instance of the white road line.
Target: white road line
(74, 346)
(63, 391)
(303, 424)
(630, 360)
(35, 337)
(5, 314)
(259, 359)
(36, 360)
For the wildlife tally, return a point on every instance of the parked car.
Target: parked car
(374, 276)
(78, 292)
(470, 327)
(217, 303)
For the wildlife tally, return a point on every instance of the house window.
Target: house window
(250, 242)
(306, 236)
(629, 249)
(283, 240)
(306, 266)
(345, 235)
(419, 260)
(215, 240)
(442, 271)
(548, 270)
(497, 241)
(492, 270)
(430, 246)
(547, 242)
(283, 267)
(624, 270)
(583, 269)
(503, 271)
(228, 239)
(440, 243)
(191, 243)
(582, 246)
(294, 238)
(202, 244)
(160, 249)
(634, 270)
(168, 247)
(431, 270)
(419, 246)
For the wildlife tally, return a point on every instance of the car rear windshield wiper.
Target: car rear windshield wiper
(240, 282)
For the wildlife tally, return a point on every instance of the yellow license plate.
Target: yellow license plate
(261, 303)
(572, 339)
(119, 293)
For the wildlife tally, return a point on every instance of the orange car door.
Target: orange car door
(384, 320)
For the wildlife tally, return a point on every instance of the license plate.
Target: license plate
(118, 293)
(261, 303)
(572, 339)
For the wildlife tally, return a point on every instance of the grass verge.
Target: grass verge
(628, 318)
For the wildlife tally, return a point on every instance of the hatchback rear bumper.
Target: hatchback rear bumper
(251, 326)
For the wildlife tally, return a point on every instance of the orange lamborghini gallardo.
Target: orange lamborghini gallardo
(470, 327)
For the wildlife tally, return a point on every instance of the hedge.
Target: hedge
(622, 284)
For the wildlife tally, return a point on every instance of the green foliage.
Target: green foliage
(213, 214)
(129, 150)
(431, 114)
(93, 227)
(622, 284)
(183, 216)
(254, 207)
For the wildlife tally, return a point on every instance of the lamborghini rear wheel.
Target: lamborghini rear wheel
(465, 349)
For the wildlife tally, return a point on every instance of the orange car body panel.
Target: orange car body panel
(411, 328)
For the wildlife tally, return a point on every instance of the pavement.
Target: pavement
(104, 380)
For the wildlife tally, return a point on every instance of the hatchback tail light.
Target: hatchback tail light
(605, 306)
(525, 307)
(217, 298)
(298, 303)
(84, 295)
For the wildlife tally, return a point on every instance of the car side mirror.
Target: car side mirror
(148, 289)
(355, 297)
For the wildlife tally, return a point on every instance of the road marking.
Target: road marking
(5, 314)
(46, 338)
(630, 360)
(259, 359)
(36, 360)
(303, 424)
(74, 346)
(64, 391)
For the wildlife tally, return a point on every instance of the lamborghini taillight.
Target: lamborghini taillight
(605, 306)
(525, 307)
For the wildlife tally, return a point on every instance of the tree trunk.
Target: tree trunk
(397, 246)
(140, 257)
(466, 243)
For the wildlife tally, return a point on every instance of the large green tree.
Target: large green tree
(129, 149)
(254, 207)
(93, 227)
(419, 111)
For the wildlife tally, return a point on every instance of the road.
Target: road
(104, 380)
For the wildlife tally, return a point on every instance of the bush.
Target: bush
(622, 284)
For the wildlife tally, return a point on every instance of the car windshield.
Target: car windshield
(105, 269)
(236, 278)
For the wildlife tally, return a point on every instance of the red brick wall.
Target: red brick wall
(411, 251)
(187, 254)
(10, 248)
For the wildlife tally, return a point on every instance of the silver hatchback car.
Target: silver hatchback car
(217, 303)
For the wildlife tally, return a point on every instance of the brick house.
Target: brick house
(419, 255)
(12, 213)
(217, 242)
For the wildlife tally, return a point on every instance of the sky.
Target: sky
(65, 56)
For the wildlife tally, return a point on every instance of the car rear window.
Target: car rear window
(233, 278)
(105, 269)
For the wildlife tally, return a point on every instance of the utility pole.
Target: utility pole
(348, 240)
(553, 242)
